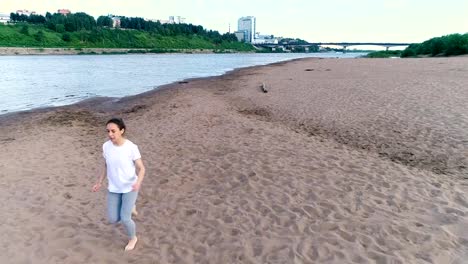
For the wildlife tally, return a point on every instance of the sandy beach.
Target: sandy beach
(341, 161)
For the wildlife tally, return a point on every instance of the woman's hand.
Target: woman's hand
(136, 186)
(96, 187)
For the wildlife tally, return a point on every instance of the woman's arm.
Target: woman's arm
(140, 169)
(98, 184)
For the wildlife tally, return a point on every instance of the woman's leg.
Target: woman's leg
(114, 204)
(128, 202)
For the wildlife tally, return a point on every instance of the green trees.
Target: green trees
(60, 28)
(292, 41)
(104, 21)
(11, 36)
(66, 37)
(25, 30)
(39, 36)
(34, 19)
(456, 44)
(15, 17)
(449, 45)
(384, 54)
(88, 30)
(82, 30)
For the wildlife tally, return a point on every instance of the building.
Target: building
(248, 26)
(171, 20)
(247, 32)
(4, 18)
(25, 12)
(115, 22)
(63, 11)
(265, 39)
(176, 20)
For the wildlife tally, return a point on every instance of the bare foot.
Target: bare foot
(131, 244)
(134, 211)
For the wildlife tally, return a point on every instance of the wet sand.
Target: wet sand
(341, 161)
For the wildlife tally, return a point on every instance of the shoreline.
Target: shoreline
(93, 101)
(19, 51)
(12, 51)
(341, 161)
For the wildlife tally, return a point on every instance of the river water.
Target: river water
(29, 82)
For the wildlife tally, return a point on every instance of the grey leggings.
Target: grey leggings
(119, 208)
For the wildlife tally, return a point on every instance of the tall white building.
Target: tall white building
(248, 26)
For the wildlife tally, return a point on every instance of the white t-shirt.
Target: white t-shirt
(120, 162)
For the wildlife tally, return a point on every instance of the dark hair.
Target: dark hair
(118, 121)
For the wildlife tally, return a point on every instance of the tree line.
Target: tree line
(81, 21)
(449, 45)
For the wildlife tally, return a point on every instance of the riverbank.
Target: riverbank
(341, 161)
(8, 51)
(163, 38)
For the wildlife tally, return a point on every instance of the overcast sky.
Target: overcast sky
(312, 20)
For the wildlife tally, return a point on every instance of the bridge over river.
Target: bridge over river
(386, 45)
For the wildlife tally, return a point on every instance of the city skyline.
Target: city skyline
(320, 21)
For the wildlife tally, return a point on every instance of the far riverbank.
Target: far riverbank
(9, 51)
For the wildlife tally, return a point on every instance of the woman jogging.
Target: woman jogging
(125, 172)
